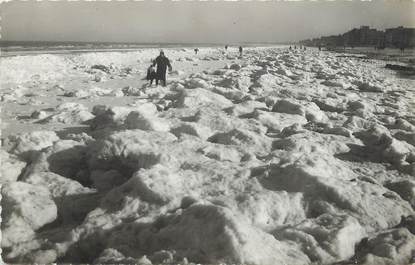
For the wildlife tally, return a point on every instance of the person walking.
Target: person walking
(226, 50)
(162, 63)
(240, 51)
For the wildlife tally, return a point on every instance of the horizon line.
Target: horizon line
(201, 43)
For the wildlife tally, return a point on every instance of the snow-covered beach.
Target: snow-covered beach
(278, 157)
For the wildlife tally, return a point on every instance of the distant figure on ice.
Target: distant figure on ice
(226, 47)
(151, 74)
(196, 50)
(402, 48)
(162, 63)
(319, 47)
(240, 51)
(291, 48)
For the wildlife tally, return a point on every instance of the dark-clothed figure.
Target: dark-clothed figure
(402, 48)
(240, 50)
(162, 63)
(151, 74)
(226, 47)
(196, 50)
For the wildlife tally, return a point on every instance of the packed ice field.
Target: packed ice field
(276, 157)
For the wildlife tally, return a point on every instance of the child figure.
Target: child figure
(151, 74)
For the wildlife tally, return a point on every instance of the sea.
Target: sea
(15, 48)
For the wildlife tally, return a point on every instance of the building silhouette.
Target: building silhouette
(399, 37)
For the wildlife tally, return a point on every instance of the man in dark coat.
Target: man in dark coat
(162, 63)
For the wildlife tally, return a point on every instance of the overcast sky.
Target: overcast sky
(195, 21)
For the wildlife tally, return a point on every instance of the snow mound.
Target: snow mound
(26, 208)
(327, 238)
(393, 246)
(138, 120)
(24, 144)
(69, 113)
(277, 121)
(198, 97)
(11, 167)
(328, 182)
(226, 238)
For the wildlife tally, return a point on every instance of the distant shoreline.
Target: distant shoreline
(387, 54)
(23, 51)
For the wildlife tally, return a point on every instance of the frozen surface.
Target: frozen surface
(279, 157)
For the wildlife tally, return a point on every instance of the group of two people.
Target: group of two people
(159, 73)
(162, 63)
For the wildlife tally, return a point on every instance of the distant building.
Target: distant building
(365, 36)
(400, 37)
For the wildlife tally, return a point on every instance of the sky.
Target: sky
(196, 21)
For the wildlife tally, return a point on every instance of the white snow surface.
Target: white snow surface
(279, 157)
